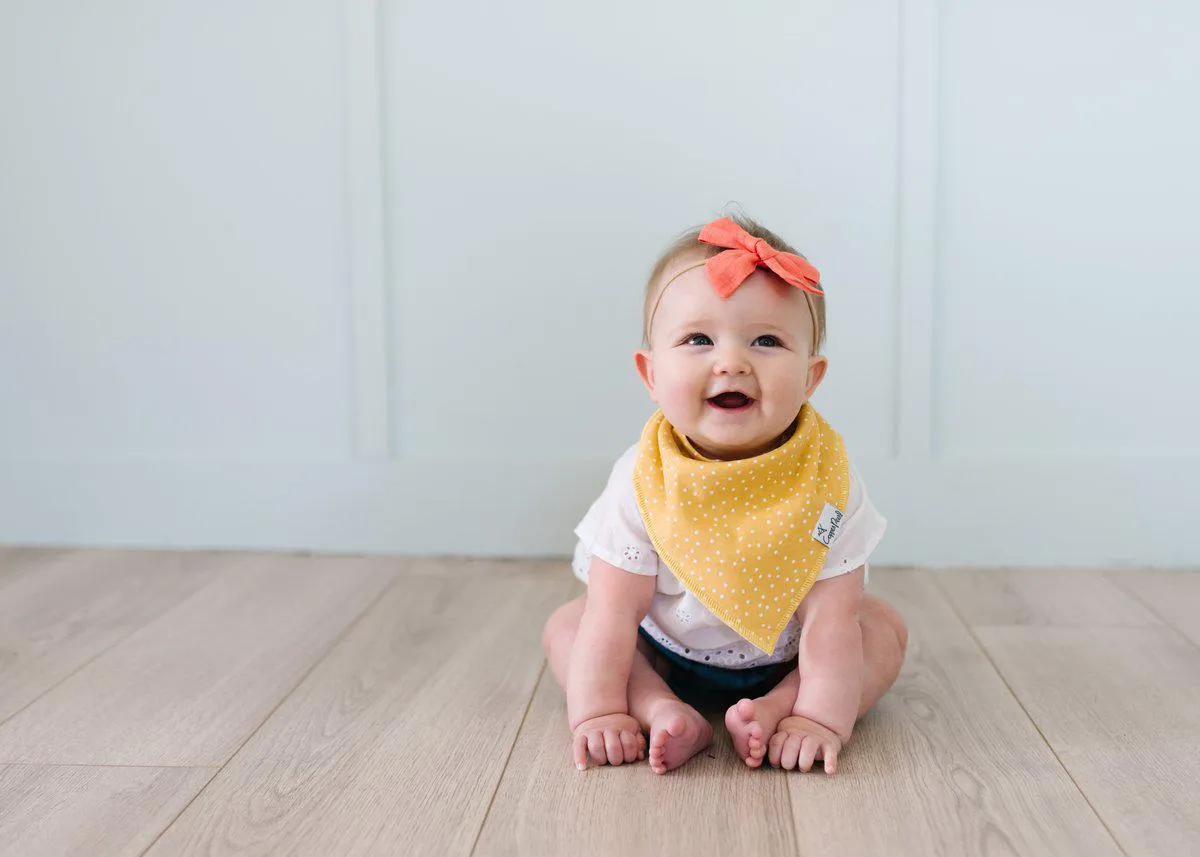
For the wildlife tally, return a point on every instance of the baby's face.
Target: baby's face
(731, 374)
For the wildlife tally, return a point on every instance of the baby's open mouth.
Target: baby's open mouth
(731, 401)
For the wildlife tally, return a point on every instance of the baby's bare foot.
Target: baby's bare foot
(751, 723)
(677, 732)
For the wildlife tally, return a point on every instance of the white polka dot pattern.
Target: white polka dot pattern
(737, 534)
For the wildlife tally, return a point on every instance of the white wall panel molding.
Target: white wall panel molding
(916, 228)
(369, 303)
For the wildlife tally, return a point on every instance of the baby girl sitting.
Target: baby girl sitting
(729, 549)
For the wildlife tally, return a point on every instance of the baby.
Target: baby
(729, 550)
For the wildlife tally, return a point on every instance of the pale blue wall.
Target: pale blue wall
(261, 286)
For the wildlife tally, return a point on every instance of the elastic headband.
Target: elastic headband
(730, 268)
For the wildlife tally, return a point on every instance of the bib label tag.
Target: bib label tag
(829, 525)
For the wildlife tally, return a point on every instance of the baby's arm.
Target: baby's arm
(602, 656)
(601, 661)
(831, 653)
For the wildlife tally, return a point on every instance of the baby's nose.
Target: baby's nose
(731, 362)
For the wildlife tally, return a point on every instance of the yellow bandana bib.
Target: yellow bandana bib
(748, 537)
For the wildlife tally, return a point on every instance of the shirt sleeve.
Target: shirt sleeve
(861, 532)
(613, 530)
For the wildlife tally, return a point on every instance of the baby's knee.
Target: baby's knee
(901, 629)
(897, 623)
(890, 616)
(562, 624)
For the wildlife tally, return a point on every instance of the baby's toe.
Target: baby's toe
(658, 751)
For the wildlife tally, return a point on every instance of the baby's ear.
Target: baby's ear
(644, 360)
(817, 365)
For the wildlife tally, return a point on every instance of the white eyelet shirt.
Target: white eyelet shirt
(613, 530)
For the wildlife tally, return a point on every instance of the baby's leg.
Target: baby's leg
(752, 722)
(885, 640)
(677, 731)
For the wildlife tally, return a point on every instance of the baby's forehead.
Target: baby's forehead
(762, 296)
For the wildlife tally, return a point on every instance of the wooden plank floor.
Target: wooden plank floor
(223, 703)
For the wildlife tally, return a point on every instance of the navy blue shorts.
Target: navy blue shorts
(752, 681)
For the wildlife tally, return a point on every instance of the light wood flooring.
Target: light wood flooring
(222, 703)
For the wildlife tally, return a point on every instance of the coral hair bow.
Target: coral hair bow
(729, 269)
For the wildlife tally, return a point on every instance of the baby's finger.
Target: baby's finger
(808, 752)
(791, 751)
(579, 752)
(630, 745)
(831, 754)
(612, 745)
(775, 747)
(595, 741)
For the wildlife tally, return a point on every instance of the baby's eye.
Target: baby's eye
(768, 340)
(698, 339)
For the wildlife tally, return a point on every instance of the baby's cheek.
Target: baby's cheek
(680, 409)
(789, 388)
(674, 405)
(678, 393)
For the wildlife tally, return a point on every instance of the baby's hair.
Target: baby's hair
(689, 243)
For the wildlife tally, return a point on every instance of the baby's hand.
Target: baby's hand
(798, 742)
(611, 739)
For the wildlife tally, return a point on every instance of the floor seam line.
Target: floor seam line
(511, 749)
